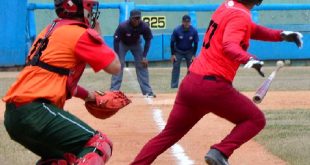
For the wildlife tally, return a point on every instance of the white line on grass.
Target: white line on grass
(177, 150)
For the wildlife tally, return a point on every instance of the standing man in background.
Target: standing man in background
(184, 43)
(127, 38)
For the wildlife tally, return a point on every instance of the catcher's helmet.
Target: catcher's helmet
(85, 9)
(256, 2)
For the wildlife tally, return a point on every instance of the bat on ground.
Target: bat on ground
(263, 89)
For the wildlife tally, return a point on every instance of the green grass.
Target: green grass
(159, 80)
(287, 135)
(13, 153)
(5, 83)
(288, 79)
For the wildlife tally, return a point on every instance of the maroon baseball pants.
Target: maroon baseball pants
(197, 96)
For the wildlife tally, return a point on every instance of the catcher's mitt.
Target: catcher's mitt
(107, 103)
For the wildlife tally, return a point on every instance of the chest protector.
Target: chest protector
(74, 74)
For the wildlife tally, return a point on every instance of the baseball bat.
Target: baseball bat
(263, 89)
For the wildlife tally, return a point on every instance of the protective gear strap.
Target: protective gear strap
(91, 159)
(73, 79)
(51, 68)
(52, 162)
(102, 152)
(35, 61)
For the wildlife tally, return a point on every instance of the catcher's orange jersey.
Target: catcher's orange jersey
(69, 46)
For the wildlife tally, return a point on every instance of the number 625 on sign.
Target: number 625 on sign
(155, 22)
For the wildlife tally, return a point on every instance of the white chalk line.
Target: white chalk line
(177, 150)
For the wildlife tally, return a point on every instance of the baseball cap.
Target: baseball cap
(186, 18)
(135, 13)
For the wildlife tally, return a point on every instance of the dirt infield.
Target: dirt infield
(132, 127)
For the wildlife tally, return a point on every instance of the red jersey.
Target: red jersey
(227, 40)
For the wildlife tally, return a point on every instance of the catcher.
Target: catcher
(34, 115)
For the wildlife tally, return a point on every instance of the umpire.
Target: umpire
(184, 43)
(127, 38)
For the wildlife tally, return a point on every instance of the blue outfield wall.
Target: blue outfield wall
(19, 31)
(160, 48)
(13, 32)
(280, 50)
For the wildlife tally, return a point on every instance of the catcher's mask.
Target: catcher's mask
(87, 10)
(256, 2)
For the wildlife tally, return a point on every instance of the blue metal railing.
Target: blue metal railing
(125, 7)
(160, 42)
(283, 7)
(33, 6)
(173, 8)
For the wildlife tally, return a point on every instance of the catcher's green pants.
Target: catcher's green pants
(47, 130)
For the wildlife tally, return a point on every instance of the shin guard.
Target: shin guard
(102, 150)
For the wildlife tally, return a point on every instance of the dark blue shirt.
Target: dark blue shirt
(130, 35)
(184, 39)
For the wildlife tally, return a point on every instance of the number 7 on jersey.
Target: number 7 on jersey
(209, 34)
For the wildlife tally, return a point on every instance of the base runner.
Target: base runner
(208, 86)
(34, 115)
